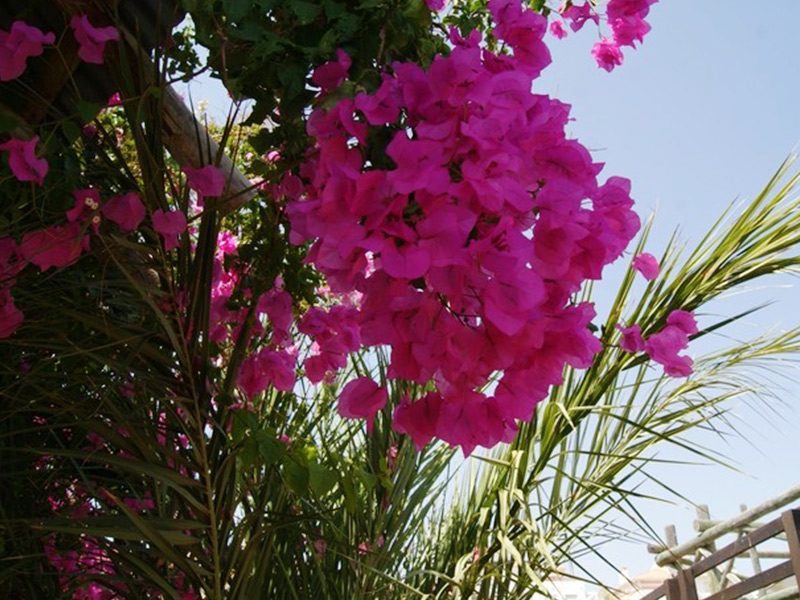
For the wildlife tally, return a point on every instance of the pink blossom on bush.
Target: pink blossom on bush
(125, 210)
(419, 420)
(631, 340)
(578, 15)
(332, 73)
(362, 398)
(435, 5)
(466, 252)
(17, 45)
(56, 246)
(683, 320)
(557, 30)
(626, 19)
(607, 54)
(268, 367)
(114, 100)
(91, 40)
(170, 225)
(647, 265)
(23, 161)
(663, 347)
(87, 201)
(207, 181)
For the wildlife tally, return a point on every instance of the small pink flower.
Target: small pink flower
(330, 75)
(362, 398)
(19, 44)
(127, 211)
(557, 29)
(578, 15)
(87, 201)
(23, 161)
(207, 181)
(170, 225)
(683, 320)
(435, 5)
(57, 246)
(607, 54)
(363, 548)
(114, 100)
(647, 265)
(631, 340)
(92, 40)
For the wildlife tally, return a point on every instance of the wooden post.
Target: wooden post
(754, 558)
(791, 525)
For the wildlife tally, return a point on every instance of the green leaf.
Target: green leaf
(296, 476)
(236, 9)
(270, 449)
(88, 110)
(321, 479)
(305, 12)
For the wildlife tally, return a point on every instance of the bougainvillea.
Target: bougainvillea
(17, 45)
(468, 246)
(625, 18)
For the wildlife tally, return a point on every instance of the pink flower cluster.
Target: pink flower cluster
(92, 40)
(23, 41)
(62, 245)
(468, 248)
(664, 346)
(22, 160)
(626, 18)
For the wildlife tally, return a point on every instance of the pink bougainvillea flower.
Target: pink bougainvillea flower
(57, 246)
(126, 210)
(629, 30)
(170, 225)
(114, 100)
(362, 398)
(19, 44)
(647, 265)
(418, 419)
(207, 181)
(617, 9)
(663, 347)
(436, 5)
(92, 40)
(23, 161)
(331, 74)
(557, 29)
(683, 320)
(607, 54)
(578, 15)
(631, 340)
(87, 201)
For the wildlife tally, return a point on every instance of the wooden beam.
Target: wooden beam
(668, 556)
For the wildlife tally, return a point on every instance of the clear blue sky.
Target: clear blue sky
(699, 116)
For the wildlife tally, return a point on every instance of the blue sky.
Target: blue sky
(700, 116)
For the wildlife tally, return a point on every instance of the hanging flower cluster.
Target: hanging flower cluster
(468, 247)
(626, 19)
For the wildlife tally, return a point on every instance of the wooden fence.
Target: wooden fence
(683, 586)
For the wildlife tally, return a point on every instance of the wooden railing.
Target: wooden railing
(683, 585)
